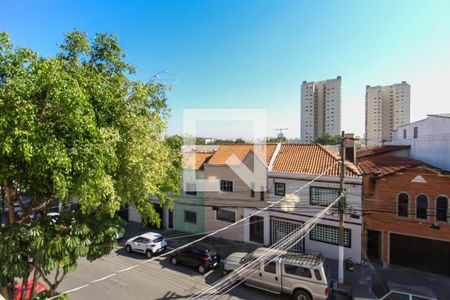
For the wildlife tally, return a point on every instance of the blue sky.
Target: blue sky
(255, 54)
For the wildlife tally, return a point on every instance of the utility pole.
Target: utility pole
(342, 204)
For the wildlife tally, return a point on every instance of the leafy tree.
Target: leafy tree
(276, 139)
(239, 141)
(74, 126)
(328, 139)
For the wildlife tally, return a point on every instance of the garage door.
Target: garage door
(419, 253)
(279, 228)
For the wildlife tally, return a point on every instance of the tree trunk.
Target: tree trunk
(9, 203)
(24, 286)
(35, 282)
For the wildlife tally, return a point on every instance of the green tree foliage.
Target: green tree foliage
(74, 126)
(328, 139)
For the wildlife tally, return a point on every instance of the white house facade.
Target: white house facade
(429, 140)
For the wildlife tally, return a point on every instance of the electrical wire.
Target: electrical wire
(228, 283)
(233, 224)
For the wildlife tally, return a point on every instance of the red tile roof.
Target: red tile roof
(196, 160)
(241, 150)
(385, 164)
(310, 159)
(380, 150)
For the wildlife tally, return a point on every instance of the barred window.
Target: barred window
(330, 235)
(226, 185)
(226, 215)
(322, 196)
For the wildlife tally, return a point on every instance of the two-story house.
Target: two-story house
(406, 212)
(188, 213)
(292, 168)
(234, 195)
(288, 167)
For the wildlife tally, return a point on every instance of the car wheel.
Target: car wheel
(128, 248)
(201, 269)
(174, 260)
(302, 295)
(149, 254)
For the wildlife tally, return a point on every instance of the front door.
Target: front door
(374, 245)
(170, 219)
(271, 277)
(257, 229)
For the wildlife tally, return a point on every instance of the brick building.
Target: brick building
(406, 212)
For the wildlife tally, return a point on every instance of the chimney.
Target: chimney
(350, 149)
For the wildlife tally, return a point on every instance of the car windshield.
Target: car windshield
(380, 289)
(211, 252)
(158, 239)
(247, 258)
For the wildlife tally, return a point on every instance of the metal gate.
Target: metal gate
(279, 228)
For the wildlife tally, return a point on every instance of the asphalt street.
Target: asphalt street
(131, 276)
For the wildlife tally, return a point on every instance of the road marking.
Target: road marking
(128, 269)
(103, 278)
(75, 289)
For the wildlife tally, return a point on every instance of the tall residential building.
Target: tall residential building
(320, 109)
(387, 108)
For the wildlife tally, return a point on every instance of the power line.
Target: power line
(247, 268)
(224, 228)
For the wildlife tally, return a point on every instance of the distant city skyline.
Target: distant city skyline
(256, 54)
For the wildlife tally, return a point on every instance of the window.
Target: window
(270, 268)
(330, 235)
(280, 189)
(298, 271)
(404, 133)
(252, 191)
(441, 209)
(190, 217)
(402, 203)
(226, 215)
(322, 196)
(318, 275)
(397, 296)
(261, 196)
(421, 207)
(416, 132)
(226, 185)
(191, 189)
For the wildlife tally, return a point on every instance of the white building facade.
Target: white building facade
(387, 108)
(299, 208)
(320, 109)
(429, 140)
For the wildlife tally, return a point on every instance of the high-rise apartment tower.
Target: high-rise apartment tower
(320, 109)
(387, 108)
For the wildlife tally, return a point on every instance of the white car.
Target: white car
(148, 243)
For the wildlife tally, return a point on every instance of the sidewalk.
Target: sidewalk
(365, 275)
(361, 278)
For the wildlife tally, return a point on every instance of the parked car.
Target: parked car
(386, 290)
(148, 243)
(298, 274)
(202, 256)
(120, 233)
